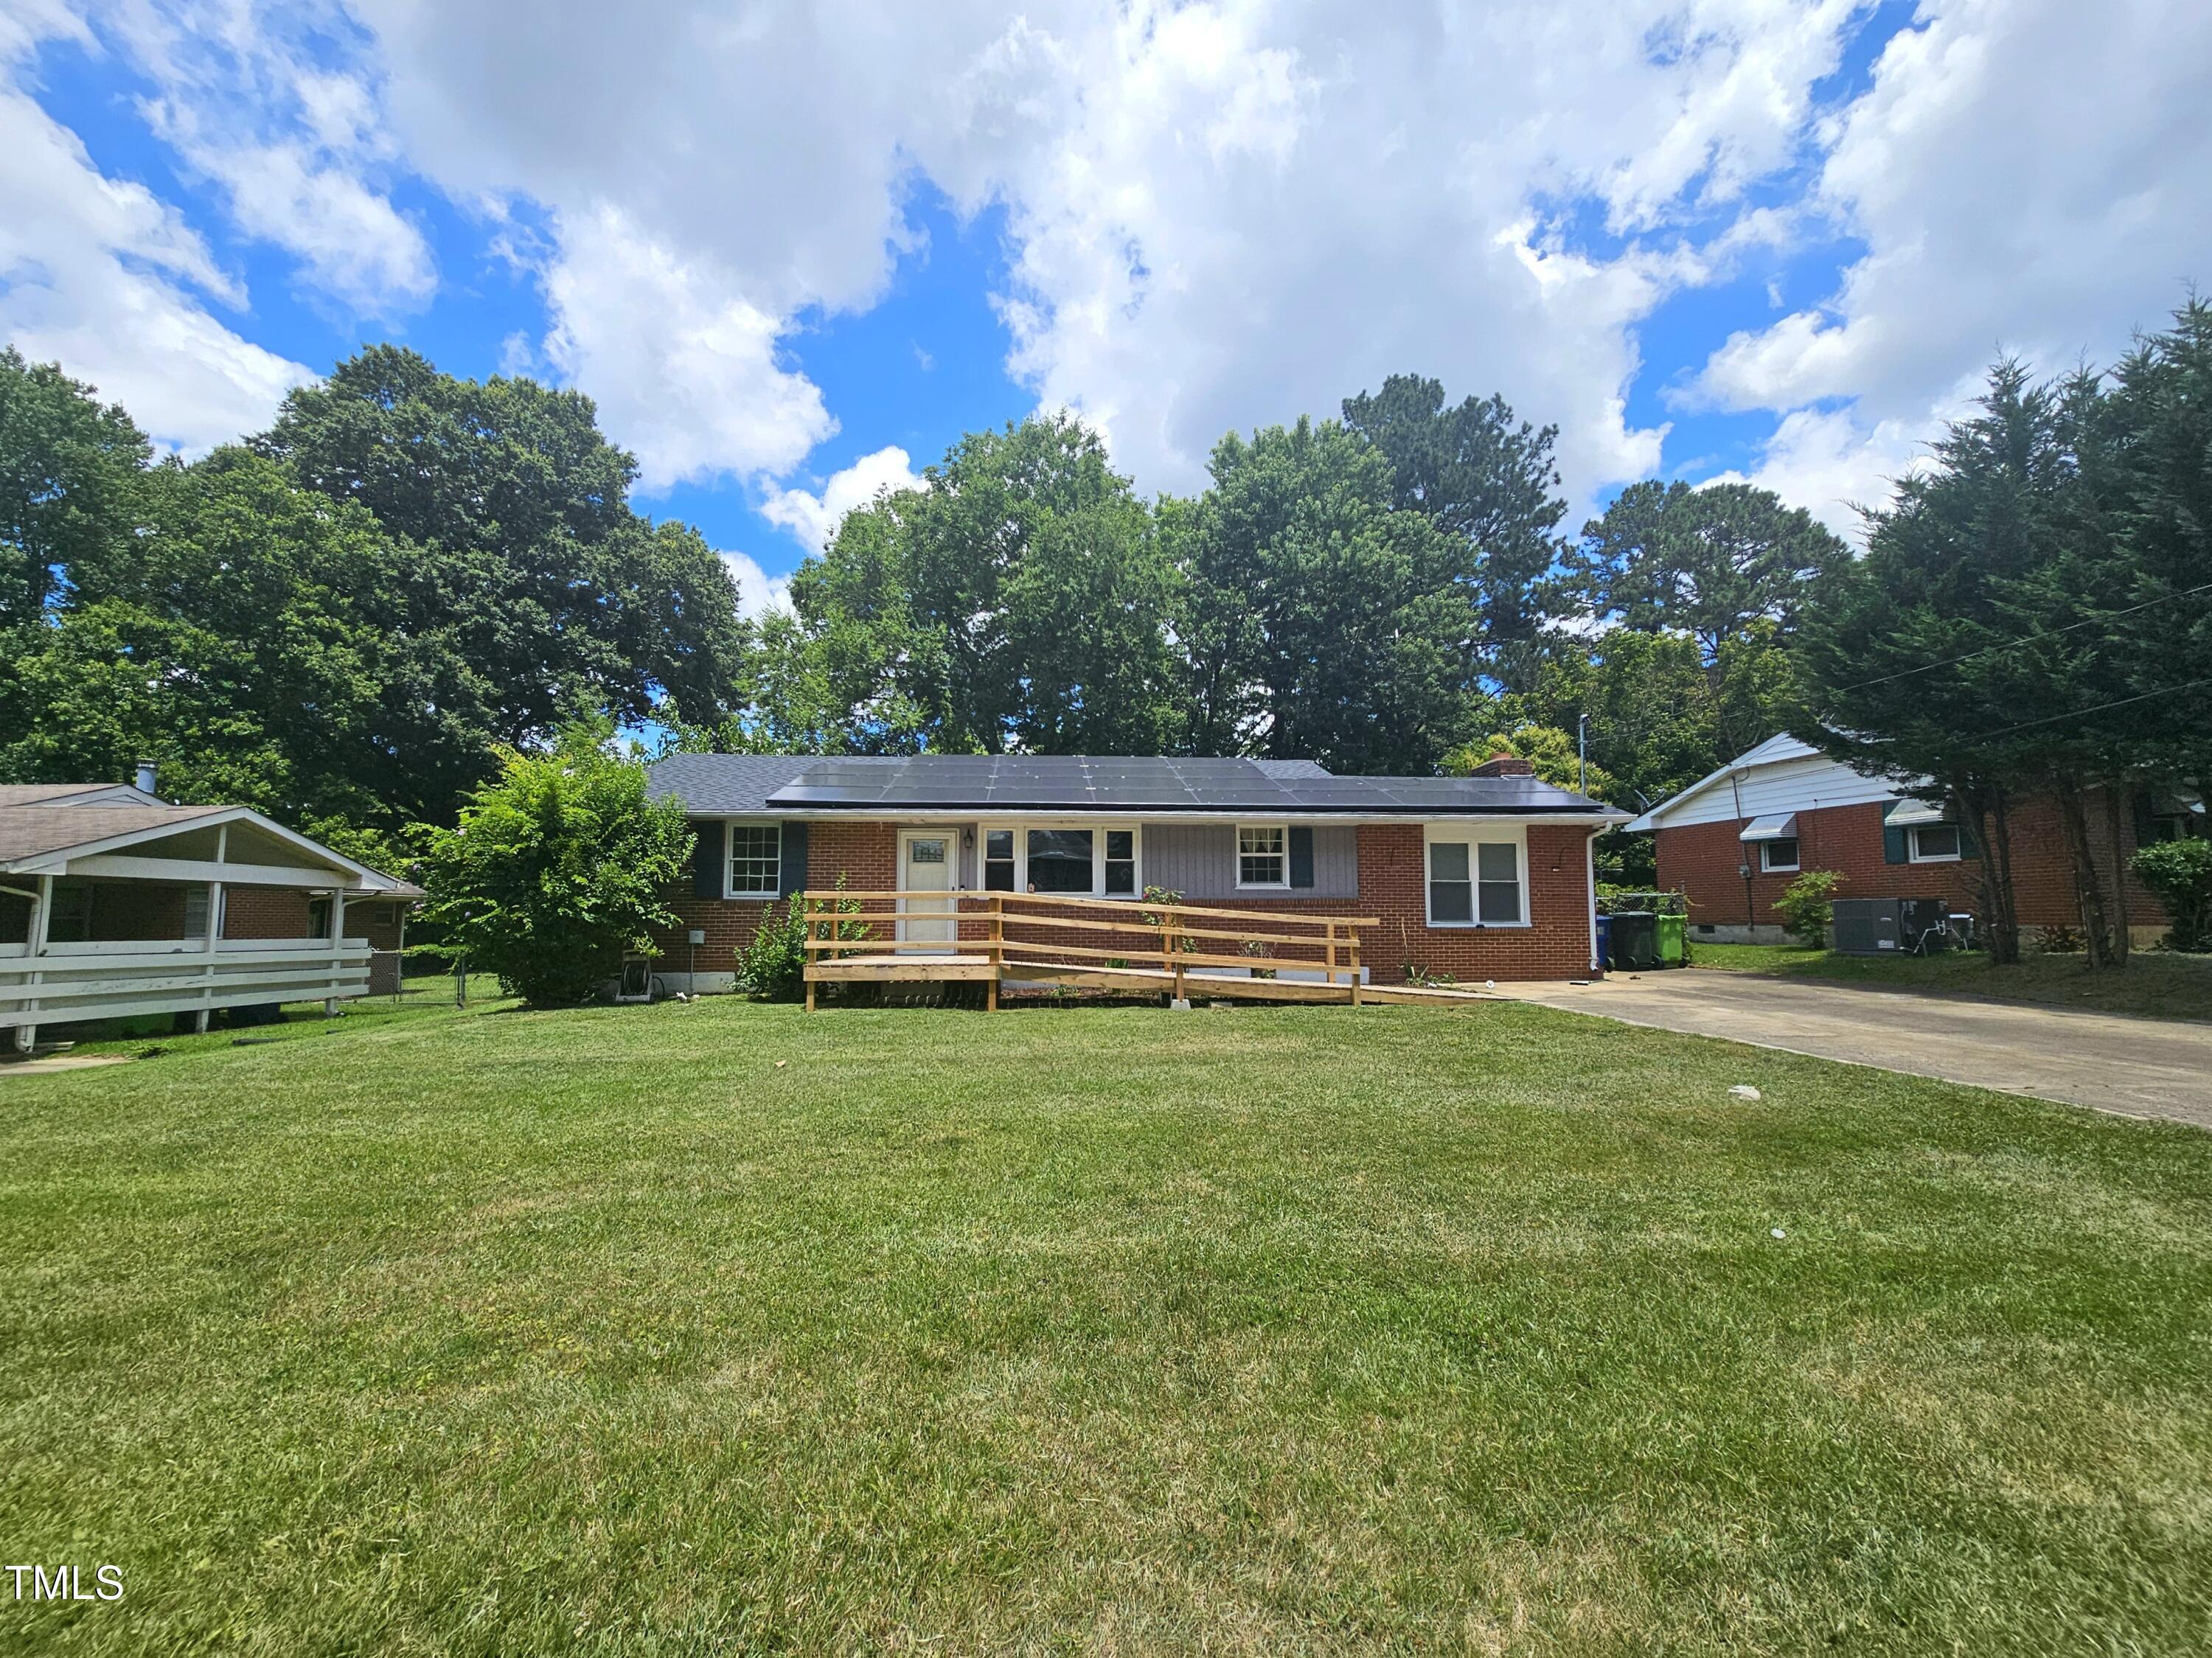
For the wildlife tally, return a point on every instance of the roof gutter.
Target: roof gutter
(1604, 816)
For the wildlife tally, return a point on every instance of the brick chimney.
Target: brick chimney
(1505, 765)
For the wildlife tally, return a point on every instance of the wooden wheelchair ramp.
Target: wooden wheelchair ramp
(1092, 944)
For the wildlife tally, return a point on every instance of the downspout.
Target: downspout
(1743, 860)
(1589, 891)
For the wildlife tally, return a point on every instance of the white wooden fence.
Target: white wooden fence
(68, 982)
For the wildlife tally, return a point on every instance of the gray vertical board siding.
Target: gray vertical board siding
(1198, 860)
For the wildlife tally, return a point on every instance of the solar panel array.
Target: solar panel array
(1145, 783)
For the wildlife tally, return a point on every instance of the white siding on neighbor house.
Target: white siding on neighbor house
(1198, 860)
(1802, 785)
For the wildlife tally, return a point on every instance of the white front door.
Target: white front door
(925, 866)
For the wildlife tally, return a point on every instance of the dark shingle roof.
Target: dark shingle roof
(734, 785)
(36, 829)
(723, 785)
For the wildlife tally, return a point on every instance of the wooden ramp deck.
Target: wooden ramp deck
(852, 939)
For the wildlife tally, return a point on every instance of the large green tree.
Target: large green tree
(1711, 561)
(1941, 654)
(242, 645)
(1490, 482)
(564, 602)
(1317, 617)
(72, 486)
(1016, 600)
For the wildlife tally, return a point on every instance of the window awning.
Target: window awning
(1775, 826)
(1905, 813)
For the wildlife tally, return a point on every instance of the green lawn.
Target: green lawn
(419, 999)
(717, 1327)
(2155, 984)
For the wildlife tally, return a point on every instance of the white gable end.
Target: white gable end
(1782, 775)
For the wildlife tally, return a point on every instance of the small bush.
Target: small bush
(2179, 876)
(773, 966)
(1185, 944)
(2060, 941)
(1808, 905)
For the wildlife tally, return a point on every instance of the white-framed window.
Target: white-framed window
(1263, 855)
(1934, 843)
(1779, 854)
(1001, 870)
(1076, 860)
(756, 860)
(1477, 875)
(1119, 856)
(1062, 860)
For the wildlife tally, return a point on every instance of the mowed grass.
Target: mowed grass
(722, 1328)
(2154, 984)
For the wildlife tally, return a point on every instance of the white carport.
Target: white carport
(127, 899)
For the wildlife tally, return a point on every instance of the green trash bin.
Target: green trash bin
(1672, 935)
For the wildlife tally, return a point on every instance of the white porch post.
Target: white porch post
(214, 929)
(42, 910)
(337, 948)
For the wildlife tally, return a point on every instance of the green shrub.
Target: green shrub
(2060, 941)
(1808, 905)
(2179, 876)
(556, 869)
(774, 966)
(1185, 944)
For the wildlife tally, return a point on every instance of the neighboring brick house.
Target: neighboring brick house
(1486, 877)
(1733, 840)
(107, 893)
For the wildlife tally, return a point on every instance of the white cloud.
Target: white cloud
(758, 591)
(1225, 212)
(685, 371)
(813, 518)
(1222, 213)
(1826, 462)
(99, 275)
(2033, 176)
(298, 148)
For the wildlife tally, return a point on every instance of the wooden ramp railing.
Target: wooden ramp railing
(983, 936)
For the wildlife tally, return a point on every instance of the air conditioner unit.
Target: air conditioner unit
(1866, 926)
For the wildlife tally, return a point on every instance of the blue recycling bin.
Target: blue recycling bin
(1605, 942)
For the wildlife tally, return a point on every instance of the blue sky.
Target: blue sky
(793, 261)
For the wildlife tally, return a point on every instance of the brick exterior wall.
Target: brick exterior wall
(265, 913)
(249, 912)
(1392, 887)
(1701, 860)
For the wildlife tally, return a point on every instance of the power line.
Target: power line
(2009, 644)
(2077, 713)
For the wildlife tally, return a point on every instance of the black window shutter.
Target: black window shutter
(1893, 845)
(794, 878)
(710, 855)
(1301, 857)
(1970, 844)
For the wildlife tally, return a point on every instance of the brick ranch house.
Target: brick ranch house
(115, 902)
(1785, 807)
(1486, 877)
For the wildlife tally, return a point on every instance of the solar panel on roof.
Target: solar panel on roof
(1128, 783)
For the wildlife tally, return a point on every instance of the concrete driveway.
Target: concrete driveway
(2137, 1067)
